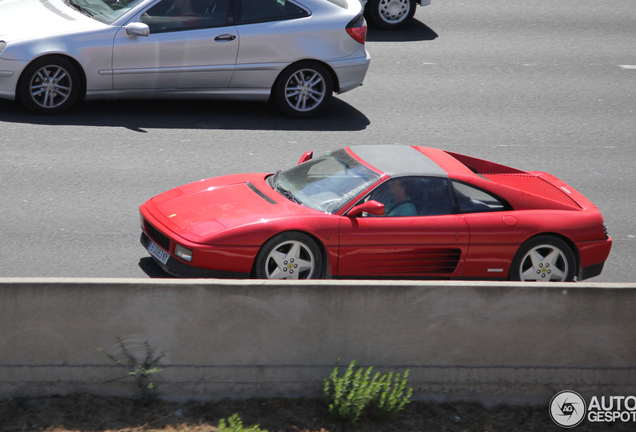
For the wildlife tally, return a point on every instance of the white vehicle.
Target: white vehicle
(295, 53)
(391, 14)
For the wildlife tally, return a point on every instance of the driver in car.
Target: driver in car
(396, 200)
(184, 10)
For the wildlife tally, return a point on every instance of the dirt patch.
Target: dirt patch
(82, 412)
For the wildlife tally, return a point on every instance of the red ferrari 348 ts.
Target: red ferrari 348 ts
(379, 211)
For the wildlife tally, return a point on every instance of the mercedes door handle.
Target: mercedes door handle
(225, 37)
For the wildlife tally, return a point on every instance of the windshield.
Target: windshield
(326, 183)
(106, 11)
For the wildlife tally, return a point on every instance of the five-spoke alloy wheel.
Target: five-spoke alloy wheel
(289, 256)
(49, 85)
(390, 14)
(303, 89)
(544, 259)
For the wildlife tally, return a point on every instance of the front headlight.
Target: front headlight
(3, 45)
(183, 253)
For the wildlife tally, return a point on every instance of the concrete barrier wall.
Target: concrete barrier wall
(489, 342)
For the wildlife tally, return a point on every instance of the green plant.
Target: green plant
(392, 398)
(354, 393)
(350, 394)
(142, 371)
(235, 424)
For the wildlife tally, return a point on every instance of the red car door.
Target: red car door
(406, 246)
(495, 234)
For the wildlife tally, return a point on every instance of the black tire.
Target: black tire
(49, 85)
(544, 258)
(291, 255)
(390, 14)
(303, 89)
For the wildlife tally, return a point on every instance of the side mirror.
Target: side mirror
(307, 156)
(372, 207)
(137, 29)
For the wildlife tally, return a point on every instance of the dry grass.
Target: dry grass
(82, 412)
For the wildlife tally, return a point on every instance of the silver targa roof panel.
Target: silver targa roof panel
(398, 161)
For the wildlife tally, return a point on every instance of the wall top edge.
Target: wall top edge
(303, 284)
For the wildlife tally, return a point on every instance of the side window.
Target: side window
(253, 11)
(393, 194)
(473, 200)
(433, 196)
(174, 15)
(415, 196)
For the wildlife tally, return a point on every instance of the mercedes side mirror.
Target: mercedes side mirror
(137, 29)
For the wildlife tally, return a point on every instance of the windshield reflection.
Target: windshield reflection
(106, 11)
(326, 183)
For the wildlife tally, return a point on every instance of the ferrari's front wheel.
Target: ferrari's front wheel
(289, 256)
(390, 14)
(303, 89)
(544, 259)
(49, 85)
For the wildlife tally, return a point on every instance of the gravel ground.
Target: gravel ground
(82, 412)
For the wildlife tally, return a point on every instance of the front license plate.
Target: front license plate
(158, 253)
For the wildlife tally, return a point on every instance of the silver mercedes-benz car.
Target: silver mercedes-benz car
(295, 53)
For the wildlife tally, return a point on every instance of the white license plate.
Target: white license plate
(158, 253)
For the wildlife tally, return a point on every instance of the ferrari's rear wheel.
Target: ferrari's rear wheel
(544, 259)
(49, 85)
(289, 256)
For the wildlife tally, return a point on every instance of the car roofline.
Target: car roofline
(398, 160)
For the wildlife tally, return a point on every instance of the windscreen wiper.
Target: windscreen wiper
(79, 8)
(274, 181)
(284, 192)
(288, 194)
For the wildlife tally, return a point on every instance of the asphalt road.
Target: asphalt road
(544, 85)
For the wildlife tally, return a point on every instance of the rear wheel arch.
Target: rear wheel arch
(545, 238)
(569, 242)
(334, 77)
(332, 73)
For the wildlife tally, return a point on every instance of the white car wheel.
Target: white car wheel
(289, 256)
(49, 85)
(544, 259)
(303, 89)
(390, 14)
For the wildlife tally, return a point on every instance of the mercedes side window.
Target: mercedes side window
(474, 200)
(175, 15)
(254, 11)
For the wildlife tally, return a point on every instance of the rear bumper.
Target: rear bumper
(592, 255)
(351, 71)
(177, 268)
(590, 271)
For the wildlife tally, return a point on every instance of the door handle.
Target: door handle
(225, 37)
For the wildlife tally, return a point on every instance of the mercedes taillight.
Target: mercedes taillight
(357, 28)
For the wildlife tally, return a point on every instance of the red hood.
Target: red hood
(198, 211)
